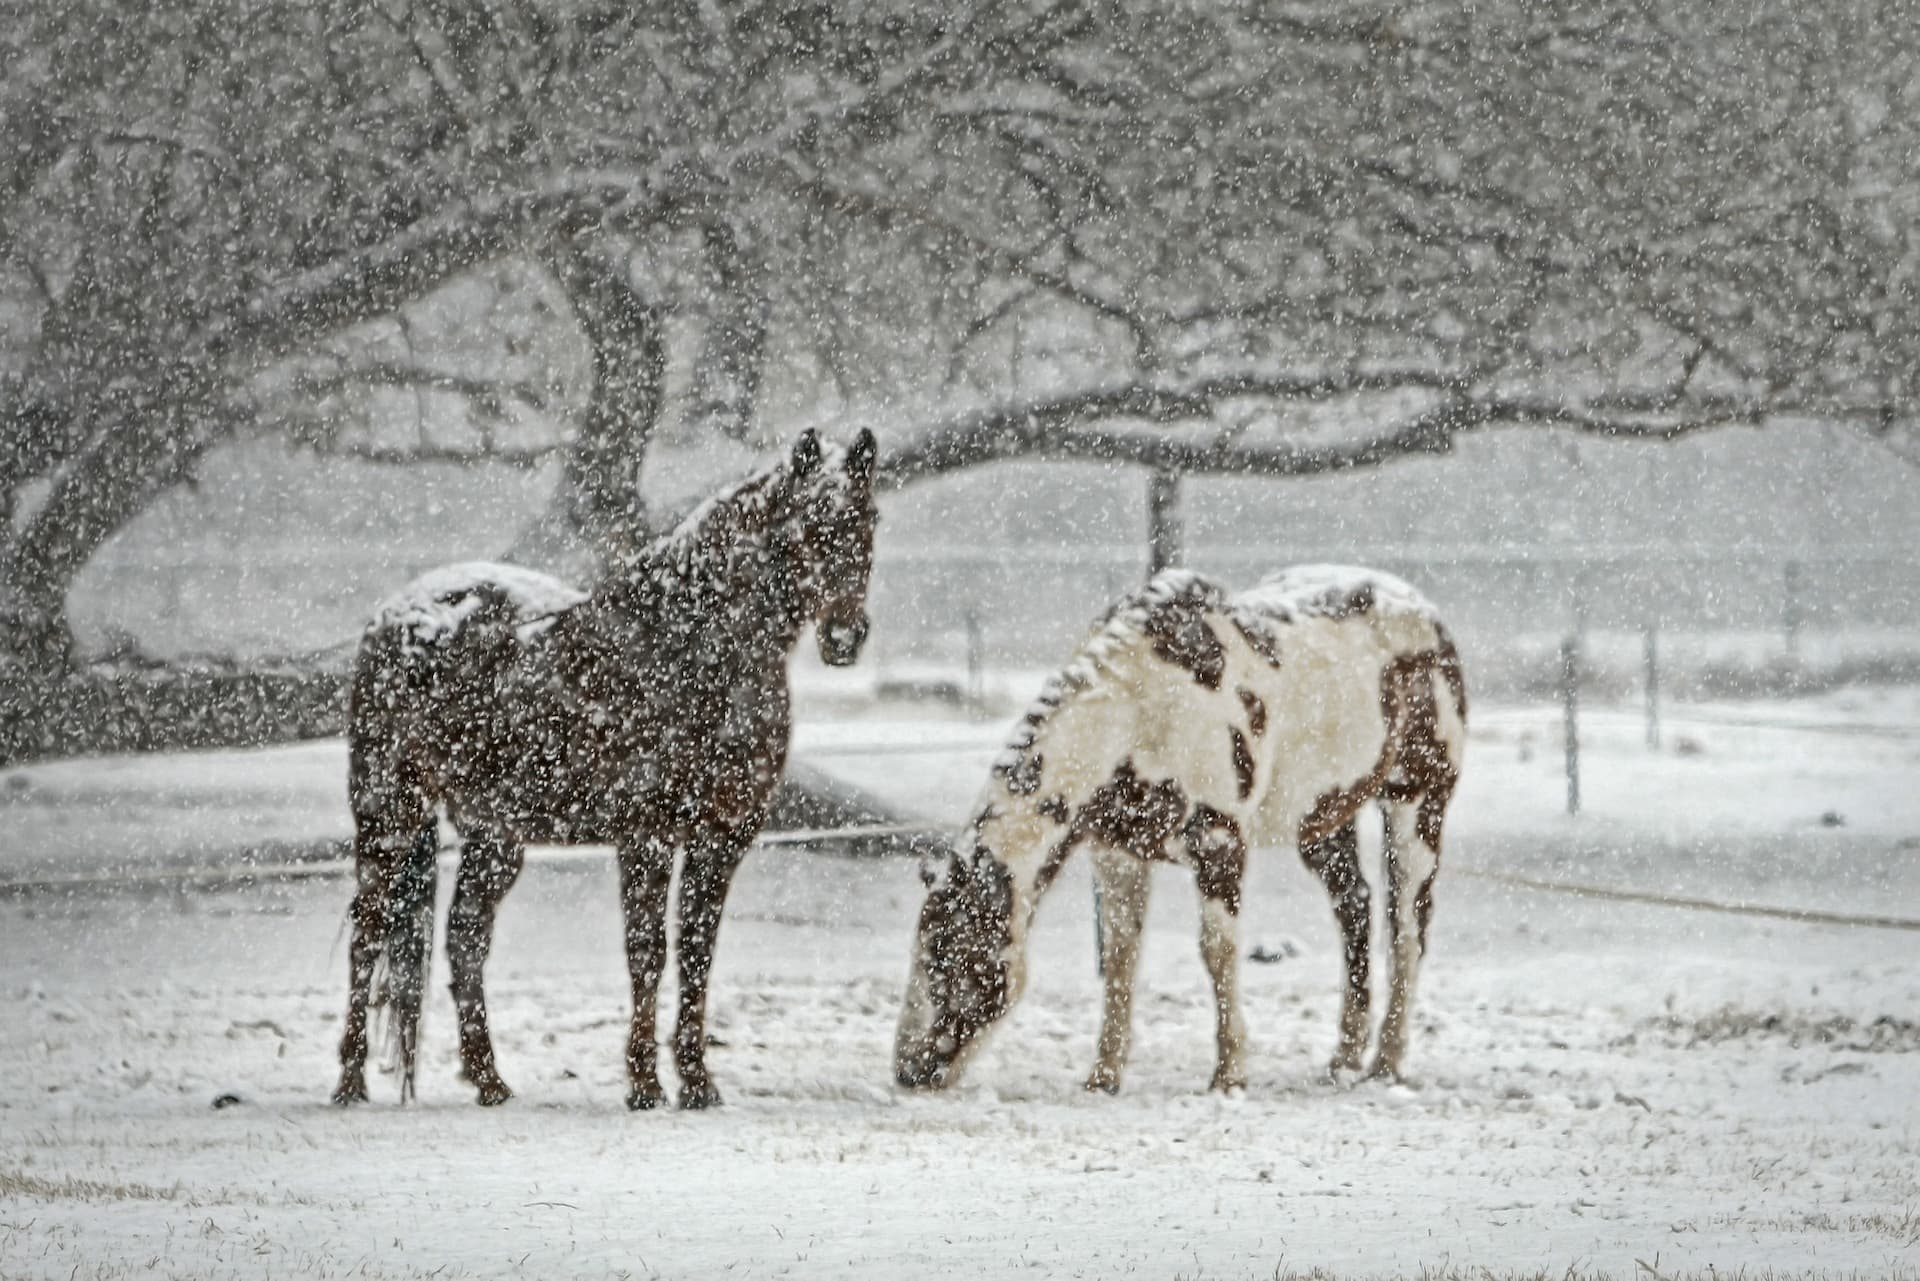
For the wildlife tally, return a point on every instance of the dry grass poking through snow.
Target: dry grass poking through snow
(15, 1184)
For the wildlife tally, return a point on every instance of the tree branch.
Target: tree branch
(1080, 426)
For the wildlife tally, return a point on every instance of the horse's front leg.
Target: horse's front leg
(646, 870)
(489, 865)
(705, 878)
(1218, 854)
(1123, 882)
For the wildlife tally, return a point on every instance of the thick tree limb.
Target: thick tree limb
(726, 374)
(598, 498)
(1086, 426)
(368, 283)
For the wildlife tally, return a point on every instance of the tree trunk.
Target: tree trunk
(597, 514)
(136, 451)
(727, 372)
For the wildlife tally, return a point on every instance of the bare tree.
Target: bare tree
(1261, 239)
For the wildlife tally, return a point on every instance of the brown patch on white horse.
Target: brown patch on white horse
(1182, 637)
(1132, 813)
(1341, 601)
(1256, 710)
(1217, 852)
(1242, 762)
(1335, 859)
(1171, 612)
(1260, 639)
(1407, 712)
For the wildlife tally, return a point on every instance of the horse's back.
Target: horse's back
(1344, 644)
(431, 610)
(428, 662)
(1347, 592)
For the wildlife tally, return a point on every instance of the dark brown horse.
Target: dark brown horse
(651, 714)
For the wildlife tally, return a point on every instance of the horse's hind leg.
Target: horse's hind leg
(646, 872)
(410, 912)
(490, 862)
(1123, 881)
(705, 878)
(1335, 859)
(1413, 860)
(381, 843)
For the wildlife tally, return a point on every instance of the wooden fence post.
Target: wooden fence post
(1790, 607)
(1163, 519)
(976, 662)
(1651, 642)
(1570, 703)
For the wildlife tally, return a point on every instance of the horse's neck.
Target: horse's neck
(1023, 818)
(691, 592)
(1068, 747)
(1022, 839)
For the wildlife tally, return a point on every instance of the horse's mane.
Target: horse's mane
(684, 552)
(1123, 626)
(704, 548)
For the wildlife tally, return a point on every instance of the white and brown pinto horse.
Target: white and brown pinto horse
(651, 714)
(1193, 727)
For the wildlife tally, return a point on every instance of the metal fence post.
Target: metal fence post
(1790, 607)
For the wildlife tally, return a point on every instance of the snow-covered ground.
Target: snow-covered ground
(1599, 1086)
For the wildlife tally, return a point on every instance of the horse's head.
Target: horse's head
(833, 515)
(964, 975)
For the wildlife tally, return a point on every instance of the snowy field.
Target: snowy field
(1599, 1086)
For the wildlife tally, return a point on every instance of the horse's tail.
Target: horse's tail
(409, 948)
(1449, 667)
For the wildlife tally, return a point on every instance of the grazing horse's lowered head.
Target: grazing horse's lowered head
(966, 970)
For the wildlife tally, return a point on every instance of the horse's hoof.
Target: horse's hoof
(1343, 1070)
(698, 1098)
(350, 1092)
(1223, 1083)
(1384, 1072)
(493, 1094)
(1103, 1083)
(645, 1100)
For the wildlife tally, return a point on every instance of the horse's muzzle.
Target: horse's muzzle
(840, 640)
(920, 1072)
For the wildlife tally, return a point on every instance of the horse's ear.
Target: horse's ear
(860, 455)
(806, 452)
